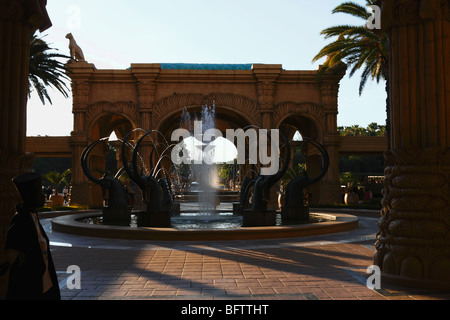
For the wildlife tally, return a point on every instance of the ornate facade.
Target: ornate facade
(152, 96)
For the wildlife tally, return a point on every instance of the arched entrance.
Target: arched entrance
(295, 127)
(102, 120)
(229, 175)
(310, 120)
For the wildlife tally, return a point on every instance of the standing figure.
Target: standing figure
(32, 274)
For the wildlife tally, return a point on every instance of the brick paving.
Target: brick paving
(315, 268)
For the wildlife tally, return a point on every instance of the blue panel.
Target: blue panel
(204, 66)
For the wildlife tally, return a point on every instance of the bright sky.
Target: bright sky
(115, 33)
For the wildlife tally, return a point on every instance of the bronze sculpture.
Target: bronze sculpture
(115, 194)
(295, 207)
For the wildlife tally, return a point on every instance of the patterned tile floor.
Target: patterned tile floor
(328, 267)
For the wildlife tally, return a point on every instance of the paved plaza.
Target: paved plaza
(327, 267)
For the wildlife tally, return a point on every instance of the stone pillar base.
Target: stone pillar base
(412, 243)
(414, 282)
(253, 218)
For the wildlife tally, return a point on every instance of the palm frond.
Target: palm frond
(356, 46)
(45, 70)
(354, 9)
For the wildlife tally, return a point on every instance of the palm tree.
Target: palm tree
(358, 47)
(56, 178)
(45, 70)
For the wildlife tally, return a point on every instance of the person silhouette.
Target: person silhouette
(32, 274)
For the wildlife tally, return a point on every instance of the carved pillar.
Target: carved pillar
(146, 75)
(413, 246)
(146, 96)
(330, 188)
(79, 192)
(266, 95)
(266, 88)
(80, 93)
(266, 76)
(80, 73)
(18, 21)
(330, 191)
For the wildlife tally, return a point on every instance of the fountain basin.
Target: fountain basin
(336, 222)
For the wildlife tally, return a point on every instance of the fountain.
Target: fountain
(208, 172)
(201, 156)
(163, 219)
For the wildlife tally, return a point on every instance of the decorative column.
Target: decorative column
(79, 190)
(146, 75)
(330, 186)
(18, 21)
(80, 73)
(266, 76)
(413, 246)
(266, 88)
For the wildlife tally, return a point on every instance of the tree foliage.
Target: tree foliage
(57, 178)
(45, 70)
(373, 129)
(359, 47)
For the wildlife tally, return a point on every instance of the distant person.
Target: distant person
(367, 196)
(65, 193)
(49, 192)
(32, 273)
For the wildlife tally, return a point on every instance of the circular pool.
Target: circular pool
(186, 227)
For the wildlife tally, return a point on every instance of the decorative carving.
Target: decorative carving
(266, 93)
(414, 228)
(237, 103)
(146, 94)
(329, 96)
(404, 12)
(129, 110)
(80, 92)
(285, 109)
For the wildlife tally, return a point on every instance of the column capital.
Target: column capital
(405, 12)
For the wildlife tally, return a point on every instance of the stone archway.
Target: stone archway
(306, 127)
(94, 112)
(100, 120)
(167, 106)
(310, 120)
(310, 110)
